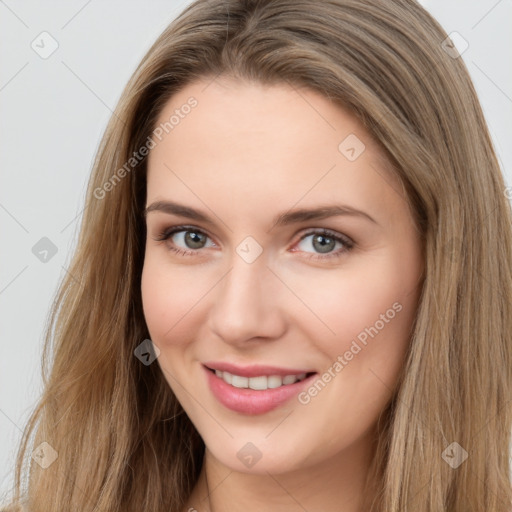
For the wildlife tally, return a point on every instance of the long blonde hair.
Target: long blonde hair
(123, 441)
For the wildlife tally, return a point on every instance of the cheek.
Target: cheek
(371, 310)
(170, 299)
(365, 311)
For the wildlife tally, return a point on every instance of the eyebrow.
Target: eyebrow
(283, 219)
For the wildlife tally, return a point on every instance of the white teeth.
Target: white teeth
(274, 381)
(259, 383)
(240, 382)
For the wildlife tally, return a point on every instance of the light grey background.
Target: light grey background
(53, 113)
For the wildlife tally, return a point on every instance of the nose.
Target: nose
(248, 303)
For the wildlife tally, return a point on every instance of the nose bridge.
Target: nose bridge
(245, 301)
(244, 285)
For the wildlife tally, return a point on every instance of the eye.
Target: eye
(191, 238)
(324, 241)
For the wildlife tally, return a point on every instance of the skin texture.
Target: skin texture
(243, 155)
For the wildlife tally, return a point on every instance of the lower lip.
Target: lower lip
(250, 401)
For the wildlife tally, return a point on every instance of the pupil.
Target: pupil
(324, 247)
(192, 238)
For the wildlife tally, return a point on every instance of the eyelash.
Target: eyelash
(345, 240)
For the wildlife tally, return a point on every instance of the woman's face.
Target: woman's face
(293, 252)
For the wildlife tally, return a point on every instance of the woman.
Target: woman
(214, 349)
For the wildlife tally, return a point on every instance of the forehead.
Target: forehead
(256, 147)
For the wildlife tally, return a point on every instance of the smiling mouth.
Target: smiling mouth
(260, 382)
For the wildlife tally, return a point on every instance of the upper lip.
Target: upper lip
(254, 370)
